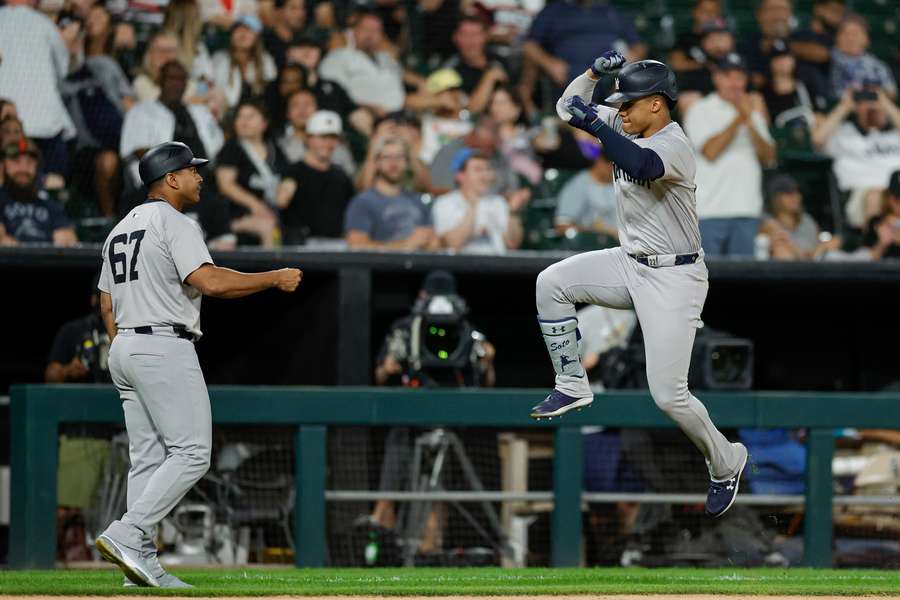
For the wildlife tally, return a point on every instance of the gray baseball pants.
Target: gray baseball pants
(169, 423)
(668, 302)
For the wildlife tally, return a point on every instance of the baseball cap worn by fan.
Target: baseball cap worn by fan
(782, 183)
(732, 61)
(324, 122)
(251, 22)
(21, 146)
(443, 80)
(459, 159)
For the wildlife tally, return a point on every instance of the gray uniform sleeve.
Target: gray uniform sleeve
(104, 282)
(583, 87)
(186, 245)
(676, 154)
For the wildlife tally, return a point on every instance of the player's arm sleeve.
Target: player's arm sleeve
(583, 87)
(186, 246)
(638, 162)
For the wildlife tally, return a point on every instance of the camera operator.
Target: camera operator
(81, 348)
(862, 135)
(435, 346)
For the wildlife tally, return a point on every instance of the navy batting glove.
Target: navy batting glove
(584, 115)
(608, 62)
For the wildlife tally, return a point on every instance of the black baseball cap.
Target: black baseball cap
(714, 26)
(894, 184)
(732, 61)
(781, 183)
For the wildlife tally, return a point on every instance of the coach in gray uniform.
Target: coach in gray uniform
(156, 268)
(658, 270)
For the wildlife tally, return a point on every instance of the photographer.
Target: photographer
(412, 357)
(81, 348)
(862, 135)
(416, 353)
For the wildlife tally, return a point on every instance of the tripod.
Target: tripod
(437, 443)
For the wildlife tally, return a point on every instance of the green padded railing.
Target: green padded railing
(37, 410)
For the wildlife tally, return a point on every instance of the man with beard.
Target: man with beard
(26, 214)
(387, 215)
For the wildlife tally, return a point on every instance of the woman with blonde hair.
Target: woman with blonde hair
(184, 21)
(243, 70)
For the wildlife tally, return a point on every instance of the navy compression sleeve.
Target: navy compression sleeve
(639, 163)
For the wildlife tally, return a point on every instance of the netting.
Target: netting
(423, 496)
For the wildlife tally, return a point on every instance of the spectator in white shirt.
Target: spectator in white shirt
(729, 131)
(34, 62)
(371, 76)
(471, 219)
(862, 135)
(168, 119)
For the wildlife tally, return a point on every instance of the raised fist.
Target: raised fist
(608, 62)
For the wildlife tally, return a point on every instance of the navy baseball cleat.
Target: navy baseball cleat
(557, 404)
(722, 493)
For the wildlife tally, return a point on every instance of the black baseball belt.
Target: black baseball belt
(666, 260)
(180, 331)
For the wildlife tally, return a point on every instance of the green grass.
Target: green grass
(481, 581)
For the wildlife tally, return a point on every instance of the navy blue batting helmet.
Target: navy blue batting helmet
(645, 78)
(165, 158)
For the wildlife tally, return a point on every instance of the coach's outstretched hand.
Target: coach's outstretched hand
(607, 63)
(287, 280)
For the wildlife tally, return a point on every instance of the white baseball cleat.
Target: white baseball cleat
(127, 559)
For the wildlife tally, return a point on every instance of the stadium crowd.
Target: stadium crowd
(429, 125)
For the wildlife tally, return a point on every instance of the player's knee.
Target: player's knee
(549, 285)
(669, 393)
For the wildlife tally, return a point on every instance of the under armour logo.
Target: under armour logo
(554, 329)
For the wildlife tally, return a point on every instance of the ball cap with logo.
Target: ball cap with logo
(324, 122)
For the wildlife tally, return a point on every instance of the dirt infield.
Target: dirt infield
(549, 597)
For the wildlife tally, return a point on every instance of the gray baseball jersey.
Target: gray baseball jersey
(655, 217)
(146, 259)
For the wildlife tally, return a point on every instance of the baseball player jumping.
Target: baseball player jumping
(658, 270)
(156, 268)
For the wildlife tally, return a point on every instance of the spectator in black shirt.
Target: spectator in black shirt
(26, 214)
(714, 43)
(288, 24)
(883, 231)
(812, 46)
(480, 70)
(307, 52)
(315, 193)
(774, 18)
(248, 173)
(788, 100)
(683, 56)
(80, 349)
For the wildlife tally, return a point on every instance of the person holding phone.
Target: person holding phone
(862, 135)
